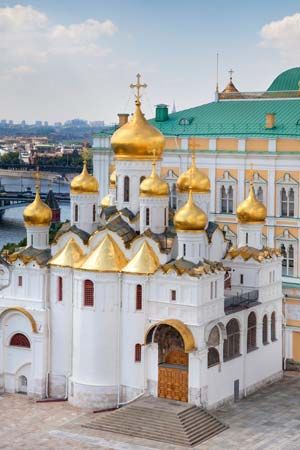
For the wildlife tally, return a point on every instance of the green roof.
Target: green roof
(286, 81)
(236, 118)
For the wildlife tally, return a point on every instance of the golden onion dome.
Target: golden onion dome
(230, 88)
(84, 183)
(193, 178)
(251, 210)
(136, 139)
(105, 202)
(37, 213)
(154, 186)
(113, 178)
(190, 217)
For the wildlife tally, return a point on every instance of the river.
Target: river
(11, 225)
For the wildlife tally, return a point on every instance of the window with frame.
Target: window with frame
(138, 353)
(126, 189)
(241, 278)
(213, 357)
(76, 213)
(173, 295)
(147, 216)
(227, 199)
(20, 281)
(59, 289)
(231, 347)
(19, 340)
(287, 202)
(184, 249)
(265, 330)
(88, 299)
(139, 297)
(94, 213)
(260, 194)
(251, 332)
(273, 326)
(288, 259)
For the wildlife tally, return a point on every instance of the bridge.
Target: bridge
(61, 169)
(10, 200)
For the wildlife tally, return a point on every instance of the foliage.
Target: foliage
(11, 247)
(10, 158)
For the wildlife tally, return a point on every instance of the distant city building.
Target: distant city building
(38, 123)
(97, 123)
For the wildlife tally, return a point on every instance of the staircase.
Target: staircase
(161, 420)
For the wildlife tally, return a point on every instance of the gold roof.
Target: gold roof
(137, 139)
(251, 252)
(194, 178)
(106, 257)
(144, 262)
(230, 88)
(69, 256)
(84, 183)
(113, 178)
(190, 217)
(37, 213)
(251, 210)
(105, 202)
(183, 330)
(154, 186)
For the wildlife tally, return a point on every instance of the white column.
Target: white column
(241, 186)
(270, 203)
(101, 162)
(212, 178)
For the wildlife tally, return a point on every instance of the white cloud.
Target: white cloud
(283, 35)
(21, 18)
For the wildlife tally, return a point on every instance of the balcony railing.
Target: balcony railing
(241, 300)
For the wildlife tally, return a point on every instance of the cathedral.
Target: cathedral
(133, 298)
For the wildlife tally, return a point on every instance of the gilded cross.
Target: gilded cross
(85, 152)
(37, 177)
(138, 86)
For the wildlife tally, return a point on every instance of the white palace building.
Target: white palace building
(130, 298)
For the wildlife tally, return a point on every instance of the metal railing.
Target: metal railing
(241, 298)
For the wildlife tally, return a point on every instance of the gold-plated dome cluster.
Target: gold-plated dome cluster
(251, 210)
(84, 183)
(37, 213)
(190, 217)
(136, 139)
(193, 178)
(154, 186)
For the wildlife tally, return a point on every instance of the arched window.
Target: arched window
(165, 217)
(288, 259)
(291, 203)
(59, 289)
(138, 353)
(173, 197)
(19, 340)
(94, 213)
(184, 249)
(139, 297)
(213, 357)
(251, 332)
(273, 326)
(88, 293)
(260, 194)
(231, 348)
(147, 216)
(283, 202)
(247, 238)
(230, 199)
(265, 330)
(214, 337)
(76, 213)
(223, 200)
(126, 189)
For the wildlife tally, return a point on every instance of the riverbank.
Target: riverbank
(31, 174)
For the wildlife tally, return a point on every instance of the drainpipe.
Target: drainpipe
(47, 300)
(118, 352)
(72, 337)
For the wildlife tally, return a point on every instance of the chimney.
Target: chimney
(123, 118)
(161, 113)
(270, 121)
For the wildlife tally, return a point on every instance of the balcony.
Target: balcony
(238, 301)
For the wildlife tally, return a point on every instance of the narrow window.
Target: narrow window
(88, 293)
(230, 199)
(223, 200)
(19, 340)
(94, 213)
(211, 290)
(246, 238)
(241, 278)
(173, 295)
(20, 281)
(284, 259)
(138, 353)
(213, 357)
(251, 332)
(139, 297)
(216, 289)
(260, 194)
(184, 249)
(283, 200)
(165, 217)
(126, 189)
(231, 348)
(265, 330)
(290, 265)
(273, 326)
(59, 289)
(291, 203)
(147, 216)
(76, 213)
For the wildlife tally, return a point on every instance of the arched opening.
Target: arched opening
(88, 293)
(76, 213)
(251, 332)
(19, 340)
(126, 189)
(147, 217)
(231, 347)
(213, 357)
(265, 330)
(22, 384)
(94, 213)
(174, 341)
(273, 326)
(139, 297)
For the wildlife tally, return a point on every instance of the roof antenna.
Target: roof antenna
(217, 79)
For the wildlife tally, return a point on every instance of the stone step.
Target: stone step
(161, 420)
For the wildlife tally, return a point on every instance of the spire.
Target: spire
(174, 107)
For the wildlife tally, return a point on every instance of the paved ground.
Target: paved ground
(267, 420)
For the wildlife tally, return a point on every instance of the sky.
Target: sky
(63, 59)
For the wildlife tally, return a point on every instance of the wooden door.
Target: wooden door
(173, 383)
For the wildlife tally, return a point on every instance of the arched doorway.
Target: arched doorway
(22, 385)
(174, 341)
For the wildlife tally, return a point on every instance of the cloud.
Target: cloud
(283, 35)
(21, 18)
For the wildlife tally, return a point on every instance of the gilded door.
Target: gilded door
(173, 376)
